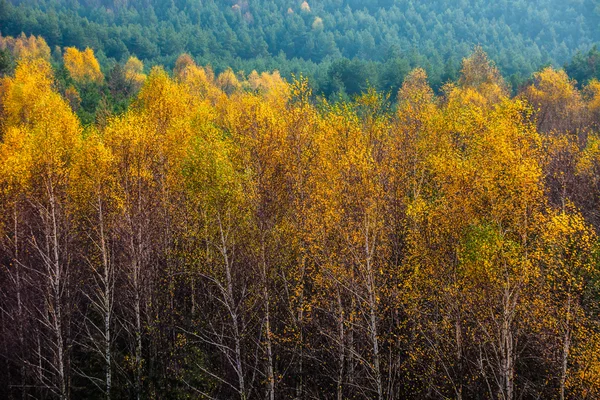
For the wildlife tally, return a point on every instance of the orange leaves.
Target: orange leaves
(15, 162)
(183, 62)
(72, 96)
(82, 65)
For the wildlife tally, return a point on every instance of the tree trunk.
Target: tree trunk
(372, 298)
(507, 347)
(234, 316)
(107, 302)
(342, 353)
(270, 371)
(566, 349)
(56, 282)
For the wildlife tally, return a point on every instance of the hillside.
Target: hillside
(384, 38)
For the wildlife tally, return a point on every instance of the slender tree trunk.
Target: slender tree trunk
(107, 302)
(351, 342)
(56, 281)
(138, 330)
(507, 347)
(459, 351)
(268, 334)
(342, 352)
(137, 289)
(374, 338)
(372, 298)
(566, 349)
(234, 316)
(300, 321)
(20, 311)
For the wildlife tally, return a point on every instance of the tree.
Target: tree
(566, 250)
(51, 132)
(82, 65)
(95, 205)
(558, 103)
(134, 73)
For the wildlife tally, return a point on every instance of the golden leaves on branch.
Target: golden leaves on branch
(134, 72)
(82, 65)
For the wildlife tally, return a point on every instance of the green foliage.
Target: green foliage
(585, 66)
(267, 34)
(6, 63)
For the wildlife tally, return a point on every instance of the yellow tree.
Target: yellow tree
(200, 83)
(482, 189)
(480, 73)
(134, 72)
(82, 65)
(228, 82)
(26, 48)
(130, 139)
(352, 247)
(95, 206)
(47, 134)
(557, 102)
(566, 250)
(592, 99)
(216, 200)
(261, 134)
(151, 145)
(183, 62)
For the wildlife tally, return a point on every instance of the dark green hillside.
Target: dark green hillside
(384, 37)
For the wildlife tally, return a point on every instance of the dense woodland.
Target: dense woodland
(342, 45)
(223, 236)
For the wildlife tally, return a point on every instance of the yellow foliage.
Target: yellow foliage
(41, 133)
(480, 73)
(436, 209)
(199, 81)
(271, 86)
(589, 159)
(183, 62)
(592, 95)
(26, 48)
(82, 65)
(557, 101)
(254, 80)
(228, 82)
(134, 72)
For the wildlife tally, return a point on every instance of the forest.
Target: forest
(342, 46)
(206, 235)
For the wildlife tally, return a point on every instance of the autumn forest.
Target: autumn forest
(187, 234)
